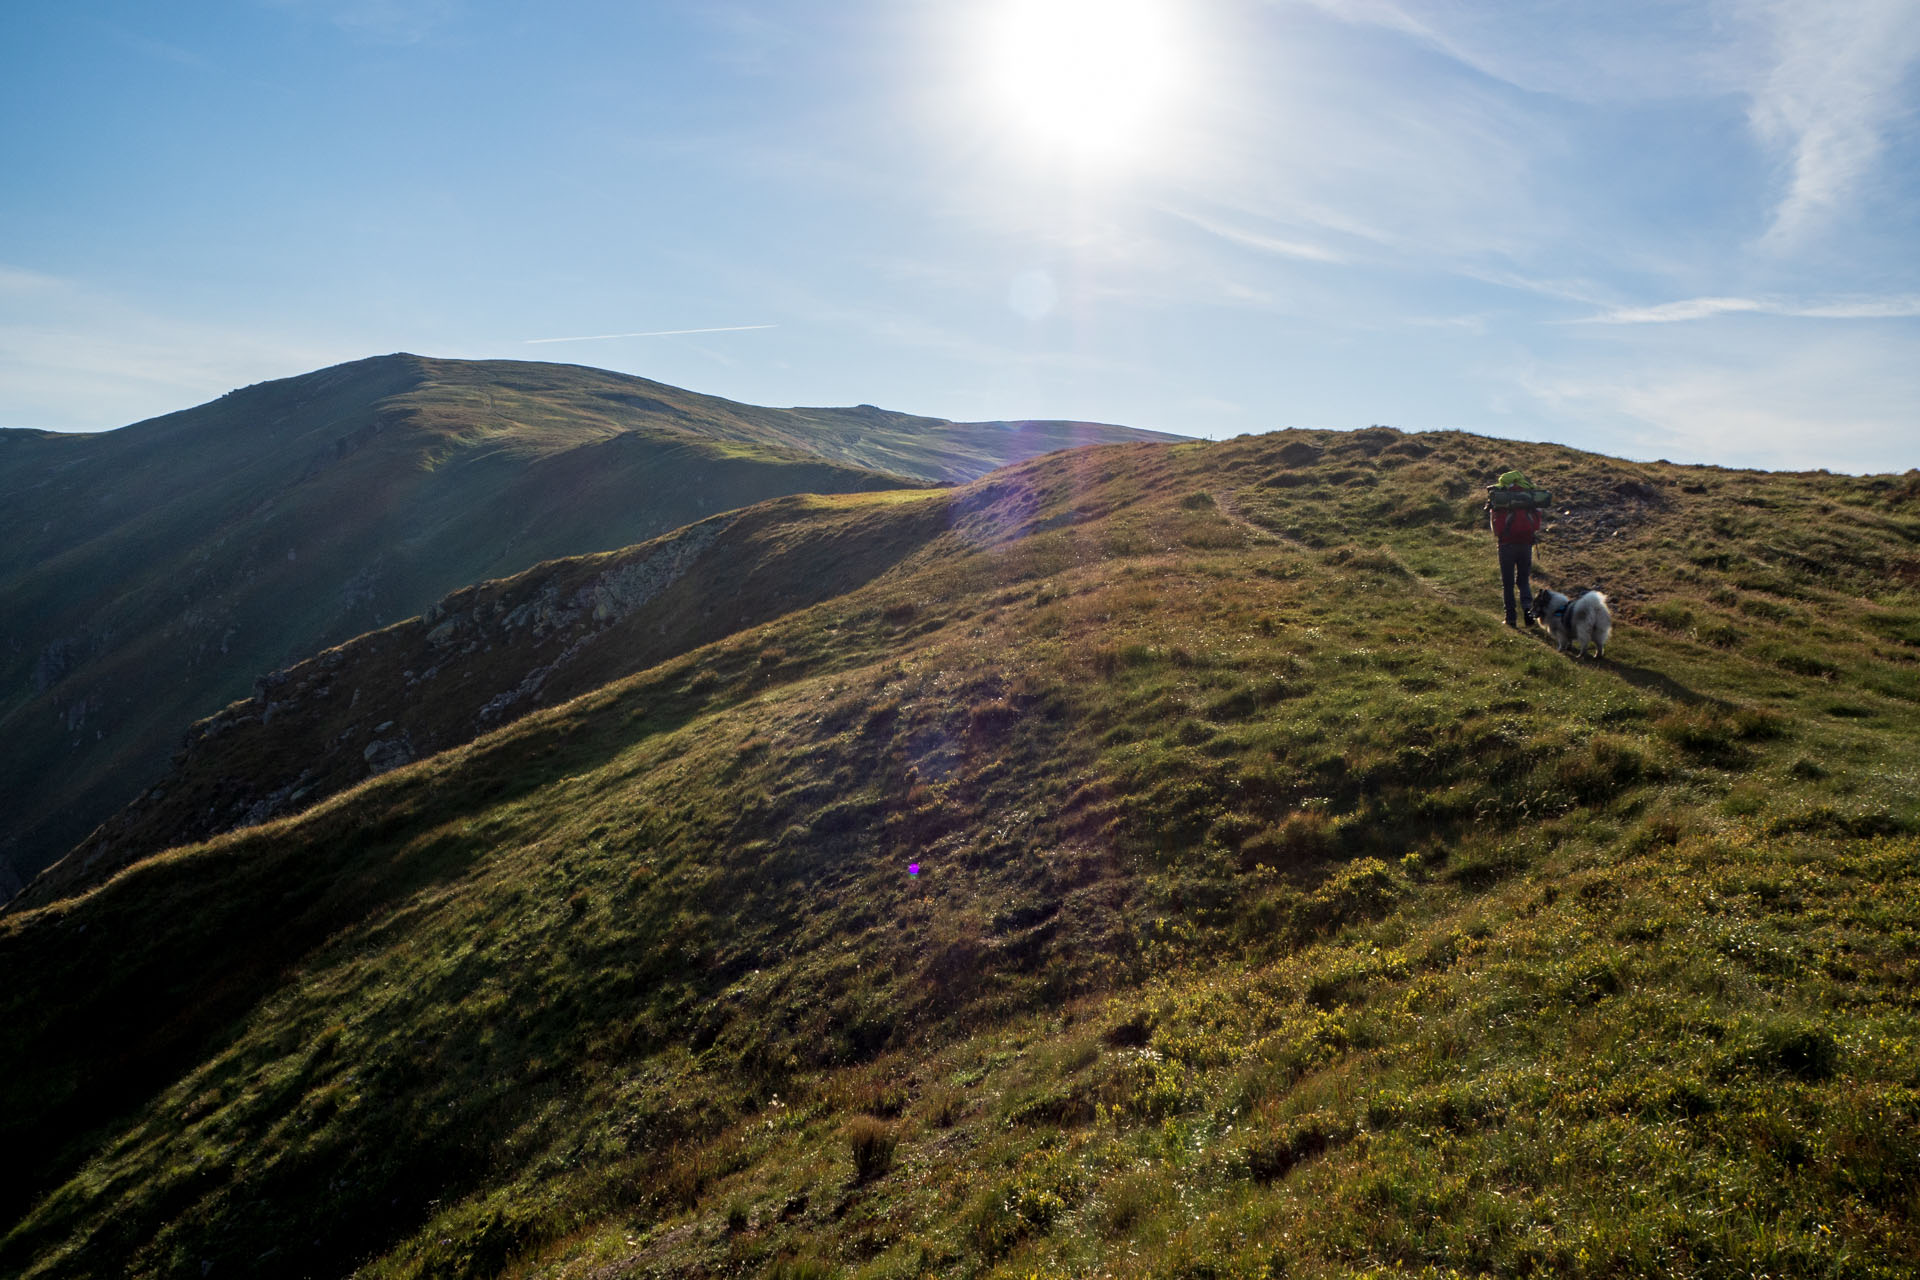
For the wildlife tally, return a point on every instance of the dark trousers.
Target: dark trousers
(1516, 567)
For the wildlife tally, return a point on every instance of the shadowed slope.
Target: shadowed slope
(151, 573)
(487, 655)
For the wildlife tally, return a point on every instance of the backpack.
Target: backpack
(1500, 498)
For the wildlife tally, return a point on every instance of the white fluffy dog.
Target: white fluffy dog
(1580, 621)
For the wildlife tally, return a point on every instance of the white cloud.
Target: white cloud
(1903, 307)
(1471, 324)
(1838, 83)
(1583, 291)
(1826, 83)
(19, 283)
(1842, 404)
(1624, 50)
(1866, 309)
(1300, 249)
(1669, 312)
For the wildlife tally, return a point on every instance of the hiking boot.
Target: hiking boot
(1509, 619)
(1529, 618)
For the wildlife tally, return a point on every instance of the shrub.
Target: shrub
(1797, 1048)
(1757, 724)
(1661, 830)
(1805, 664)
(1714, 734)
(1301, 836)
(1234, 829)
(1768, 609)
(1606, 767)
(1057, 1109)
(992, 720)
(1825, 820)
(944, 1106)
(992, 1227)
(1669, 614)
(882, 1099)
(872, 1143)
(1211, 533)
(1274, 1155)
(1130, 1200)
(1362, 891)
(1720, 635)
(1380, 560)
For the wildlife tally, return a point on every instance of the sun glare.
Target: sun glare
(1090, 80)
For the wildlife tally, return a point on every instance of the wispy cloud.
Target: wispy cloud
(1705, 308)
(76, 358)
(1838, 84)
(1583, 291)
(1843, 403)
(1623, 50)
(1256, 240)
(18, 283)
(1826, 84)
(1475, 325)
(656, 333)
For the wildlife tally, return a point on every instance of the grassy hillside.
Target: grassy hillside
(1277, 911)
(487, 655)
(151, 573)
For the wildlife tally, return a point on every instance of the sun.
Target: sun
(1087, 80)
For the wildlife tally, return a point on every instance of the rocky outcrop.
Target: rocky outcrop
(481, 658)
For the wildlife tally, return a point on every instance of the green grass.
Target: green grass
(462, 669)
(1280, 913)
(152, 573)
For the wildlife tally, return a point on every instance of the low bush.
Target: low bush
(872, 1143)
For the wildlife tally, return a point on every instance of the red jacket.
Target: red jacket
(1515, 526)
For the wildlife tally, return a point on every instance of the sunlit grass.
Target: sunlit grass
(1279, 912)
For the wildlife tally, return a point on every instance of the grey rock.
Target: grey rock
(385, 754)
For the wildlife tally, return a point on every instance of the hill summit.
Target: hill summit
(1147, 860)
(151, 573)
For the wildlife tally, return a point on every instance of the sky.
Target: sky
(1683, 229)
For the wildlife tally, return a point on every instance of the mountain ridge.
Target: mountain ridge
(152, 572)
(551, 633)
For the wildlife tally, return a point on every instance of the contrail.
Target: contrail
(657, 333)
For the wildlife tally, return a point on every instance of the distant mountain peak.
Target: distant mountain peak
(150, 573)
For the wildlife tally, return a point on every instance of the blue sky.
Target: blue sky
(1671, 229)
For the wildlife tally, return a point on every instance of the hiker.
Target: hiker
(1513, 513)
